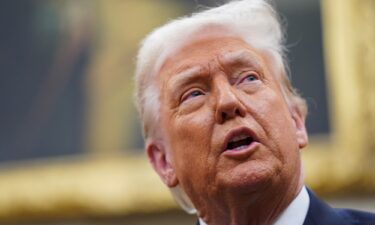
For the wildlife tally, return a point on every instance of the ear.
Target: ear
(160, 162)
(299, 122)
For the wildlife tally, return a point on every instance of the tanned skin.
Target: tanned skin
(214, 89)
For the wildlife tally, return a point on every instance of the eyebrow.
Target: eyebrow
(241, 57)
(186, 76)
(190, 74)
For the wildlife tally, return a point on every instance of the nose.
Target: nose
(228, 105)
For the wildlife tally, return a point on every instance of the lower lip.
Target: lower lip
(242, 153)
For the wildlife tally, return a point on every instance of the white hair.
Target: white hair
(254, 21)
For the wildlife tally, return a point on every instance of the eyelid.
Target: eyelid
(247, 74)
(187, 94)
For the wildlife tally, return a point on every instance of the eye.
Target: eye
(249, 78)
(191, 94)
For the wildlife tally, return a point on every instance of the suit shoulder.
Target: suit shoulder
(357, 217)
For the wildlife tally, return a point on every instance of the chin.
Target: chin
(249, 177)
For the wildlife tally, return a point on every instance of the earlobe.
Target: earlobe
(158, 158)
(299, 121)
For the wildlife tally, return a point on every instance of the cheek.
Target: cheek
(191, 145)
(267, 105)
(283, 134)
(272, 114)
(194, 128)
(190, 138)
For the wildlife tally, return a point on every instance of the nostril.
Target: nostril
(223, 115)
(237, 112)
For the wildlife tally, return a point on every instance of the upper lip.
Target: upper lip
(236, 132)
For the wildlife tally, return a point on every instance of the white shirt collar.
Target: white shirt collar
(294, 214)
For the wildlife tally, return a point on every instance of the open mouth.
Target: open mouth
(239, 142)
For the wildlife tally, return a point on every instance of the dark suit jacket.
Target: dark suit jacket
(319, 213)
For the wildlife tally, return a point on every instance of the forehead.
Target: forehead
(228, 50)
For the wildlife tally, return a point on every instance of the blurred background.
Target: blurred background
(71, 148)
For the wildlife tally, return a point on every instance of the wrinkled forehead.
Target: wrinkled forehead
(201, 33)
(227, 52)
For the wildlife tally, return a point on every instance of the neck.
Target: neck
(254, 209)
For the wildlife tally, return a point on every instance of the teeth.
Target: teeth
(239, 137)
(240, 147)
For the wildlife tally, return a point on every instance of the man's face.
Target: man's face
(227, 127)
